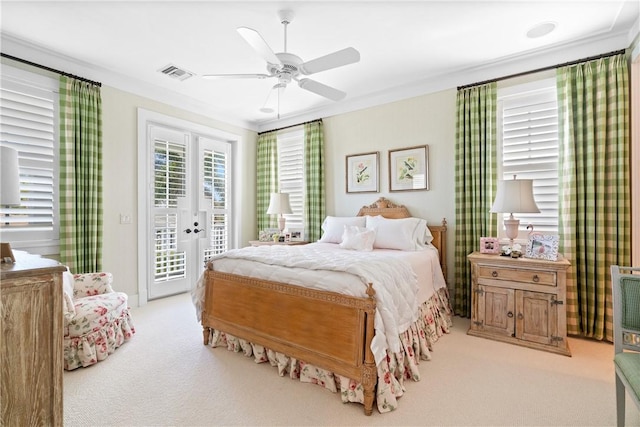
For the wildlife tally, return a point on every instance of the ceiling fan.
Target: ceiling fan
(287, 67)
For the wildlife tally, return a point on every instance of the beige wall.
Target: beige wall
(427, 119)
(120, 169)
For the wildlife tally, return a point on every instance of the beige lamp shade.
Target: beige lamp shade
(9, 177)
(515, 196)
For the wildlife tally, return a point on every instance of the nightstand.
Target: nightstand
(270, 243)
(520, 301)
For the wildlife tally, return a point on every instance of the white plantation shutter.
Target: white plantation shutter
(528, 120)
(291, 173)
(170, 173)
(217, 190)
(169, 184)
(29, 124)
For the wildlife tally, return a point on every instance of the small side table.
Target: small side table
(270, 243)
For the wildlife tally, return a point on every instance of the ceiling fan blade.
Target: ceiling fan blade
(236, 76)
(321, 89)
(256, 41)
(333, 60)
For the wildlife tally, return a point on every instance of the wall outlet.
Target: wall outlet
(125, 218)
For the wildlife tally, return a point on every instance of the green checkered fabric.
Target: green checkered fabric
(475, 182)
(630, 293)
(628, 365)
(314, 202)
(80, 175)
(266, 179)
(594, 187)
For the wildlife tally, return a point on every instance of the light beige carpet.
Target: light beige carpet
(165, 376)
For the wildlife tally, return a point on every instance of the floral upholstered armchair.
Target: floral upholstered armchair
(96, 319)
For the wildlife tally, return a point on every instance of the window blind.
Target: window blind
(29, 123)
(216, 178)
(291, 173)
(169, 185)
(530, 151)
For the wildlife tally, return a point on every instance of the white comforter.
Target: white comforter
(328, 267)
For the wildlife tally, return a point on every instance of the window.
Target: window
(291, 173)
(169, 185)
(216, 191)
(29, 124)
(528, 141)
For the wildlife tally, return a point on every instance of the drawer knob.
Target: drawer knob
(510, 314)
(494, 274)
(536, 278)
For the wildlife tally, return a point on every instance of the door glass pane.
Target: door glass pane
(170, 173)
(169, 263)
(216, 189)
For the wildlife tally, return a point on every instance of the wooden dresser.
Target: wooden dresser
(31, 351)
(520, 301)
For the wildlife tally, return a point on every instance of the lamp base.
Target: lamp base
(281, 223)
(511, 226)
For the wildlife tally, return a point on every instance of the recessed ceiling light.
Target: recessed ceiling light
(541, 29)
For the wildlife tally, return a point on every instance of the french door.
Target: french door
(189, 219)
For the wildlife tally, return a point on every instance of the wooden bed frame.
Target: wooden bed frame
(256, 310)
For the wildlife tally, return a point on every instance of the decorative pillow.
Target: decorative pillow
(333, 227)
(405, 234)
(357, 238)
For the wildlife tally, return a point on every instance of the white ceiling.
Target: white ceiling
(407, 47)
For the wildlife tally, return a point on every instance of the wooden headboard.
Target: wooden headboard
(390, 210)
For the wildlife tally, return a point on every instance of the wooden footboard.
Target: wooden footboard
(327, 329)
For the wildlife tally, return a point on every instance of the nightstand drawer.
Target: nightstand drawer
(537, 277)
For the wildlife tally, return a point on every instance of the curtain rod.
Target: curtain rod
(53, 70)
(292, 126)
(551, 67)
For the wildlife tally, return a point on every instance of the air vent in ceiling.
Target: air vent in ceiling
(176, 72)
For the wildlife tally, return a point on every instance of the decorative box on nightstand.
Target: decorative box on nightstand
(520, 301)
(269, 243)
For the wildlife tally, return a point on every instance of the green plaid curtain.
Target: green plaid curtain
(475, 186)
(594, 185)
(80, 175)
(314, 203)
(266, 178)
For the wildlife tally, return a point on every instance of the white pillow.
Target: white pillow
(405, 234)
(357, 238)
(333, 227)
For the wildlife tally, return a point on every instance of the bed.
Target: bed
(293, 317)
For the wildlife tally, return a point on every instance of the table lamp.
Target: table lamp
(279, 205)
(514, 196)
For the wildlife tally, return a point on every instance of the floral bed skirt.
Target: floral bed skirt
(434, 321)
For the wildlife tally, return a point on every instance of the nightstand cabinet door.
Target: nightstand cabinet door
(494, 312)
(536, 318)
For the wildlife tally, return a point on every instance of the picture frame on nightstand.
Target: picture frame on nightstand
(489, 245)
(295, 234)
(543, 246)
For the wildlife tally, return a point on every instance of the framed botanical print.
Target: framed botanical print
(362, 172)
(409, 168)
